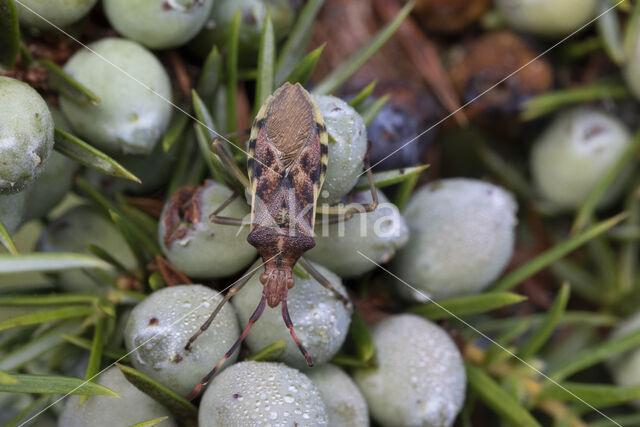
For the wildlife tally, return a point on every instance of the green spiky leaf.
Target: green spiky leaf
(582, 318)
(466, 305)
(596, 395)
(549, 102)
(6, 241)
(608, 26)
(175, 130)
(359, 338)
(9, 34)
(83, 153)
(588, 206)
(48, 261)
(178, 405)
(404, 191)
(370, 111)
(150, 423)
(134, 244)
(621, 420)
(631, 31)
(210, 75)
(146, 222)
(53, 299)
(44, 316)
(107, 257)
(49, 384)
(539, 337)
(496, 398)
(271, 352)
(203, 115)
(118, 354)
(210, 158)
(231, 67)
(363, 95)
(296, 44)
(37, 346)
(553, 254)
(30, 411)
(67, 86)
(95, 354)
(137, 238)
(6, 378)
(391, 177)
(596, 354)
(508, 173)
(303, 71)
(266, 64)
(345, 360)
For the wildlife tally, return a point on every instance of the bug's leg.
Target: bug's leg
(256, 314)
(289, 324)
(230, 293)
(325, 282)
(353, 208)
(225, 220)
(237, 133)
(229, 163)
(334, 219)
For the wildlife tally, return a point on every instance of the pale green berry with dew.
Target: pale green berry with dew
(345, 404)
(26, 135)
(573, 153)
(547, 18)
(48, 14)
(131, 407)
(376, 235)
(461, 238)
(158, 24)
(420, 378)
(12, 210)
(195, 245)
(160, 326)
(217, 28)
(261, 393)
(347, 147)
(56, 179)
(321, 321)
(134, 90)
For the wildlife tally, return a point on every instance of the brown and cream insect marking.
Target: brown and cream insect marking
(289, 140)
(287, 164)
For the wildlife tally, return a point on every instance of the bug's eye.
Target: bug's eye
(263, 278)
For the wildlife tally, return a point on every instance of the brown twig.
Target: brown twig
(425, 57)
(151, 206)
(243, 109)
(170, 274)
(181, 73)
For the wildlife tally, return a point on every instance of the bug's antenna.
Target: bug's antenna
(256, 314)
(289, 324)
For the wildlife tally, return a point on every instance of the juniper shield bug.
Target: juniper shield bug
(287, 164)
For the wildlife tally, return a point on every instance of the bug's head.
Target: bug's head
(277, 280)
